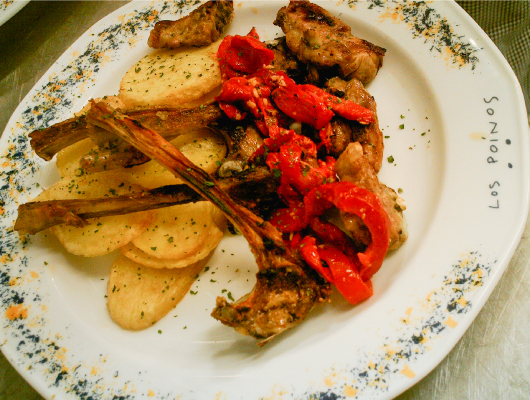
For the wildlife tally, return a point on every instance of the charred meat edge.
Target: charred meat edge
(201, 27)
(255, 190)
(48, 142)
(321, 40)
(286, 289)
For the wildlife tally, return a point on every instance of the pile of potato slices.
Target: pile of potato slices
(161, 251)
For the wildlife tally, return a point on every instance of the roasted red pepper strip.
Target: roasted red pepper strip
(253, 33)
(345, 108)
(273, 79)
(339, 270)
(274, 143)
(309, 251)
(239, 55)
(243, 54)
(325, 136)
(236, 89)
(295, 241)
(232, 111)
(345, 275)
(330, 234)
(290, 219)
(268, 113)
(300, 175)
(352, 199)
(302, 106)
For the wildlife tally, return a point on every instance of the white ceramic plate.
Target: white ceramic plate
(8, 8)
(454, 121)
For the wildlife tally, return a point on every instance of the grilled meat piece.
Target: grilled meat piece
(287, 289)
(256, 190)
(318, 38)
(369, 136)
(285, 60)
(281, 299)
(242, 144)
(48, 142)
(353, 166)
(201, 27)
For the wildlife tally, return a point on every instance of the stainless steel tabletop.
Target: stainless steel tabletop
(491, 361)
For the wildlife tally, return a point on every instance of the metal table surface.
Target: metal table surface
(491, 361)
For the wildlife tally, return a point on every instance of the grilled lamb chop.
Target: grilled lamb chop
(318, 38)
(255, 190)
(353, 166)
(201, 27)
(369, 136)
(286, 289)
(48, 142)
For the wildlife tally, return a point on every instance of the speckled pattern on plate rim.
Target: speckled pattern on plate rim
(440, 311)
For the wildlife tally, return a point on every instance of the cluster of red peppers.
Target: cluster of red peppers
(308, 185)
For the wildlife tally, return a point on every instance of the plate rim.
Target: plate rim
(494, 278)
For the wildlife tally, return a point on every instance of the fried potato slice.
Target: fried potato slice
(183, 78)
(100, 235)
(203, 146)
(139, 296)
(178, 236)
(68, 159)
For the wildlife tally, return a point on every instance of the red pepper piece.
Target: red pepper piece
(273, 79)
(268, 114)
(332, 235)
(355, 200)
(295, 241)
(309, 251)
(345, 275)
(325, 136)
(345, 108)
(300, 175)
(290, 219)
(290, 136)
(232, 111)
(253, 33)
(338, 270)
(227, 71)
(280, 137)
(236, 89)
(302, 106)
(238, 55)
(245, 54)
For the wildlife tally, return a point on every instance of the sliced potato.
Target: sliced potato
(138, 296)
(101, 235)
(178, 236)
(203, 146)
(172, 78)
(135, 254)
(68, 158)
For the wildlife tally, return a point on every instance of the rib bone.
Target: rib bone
(48, 142)
(255, 189)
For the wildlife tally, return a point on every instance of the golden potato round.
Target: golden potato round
(138, 296)
(186, 77)
(68, 158)
(179, 235)
(101, 235)
(202, 146)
